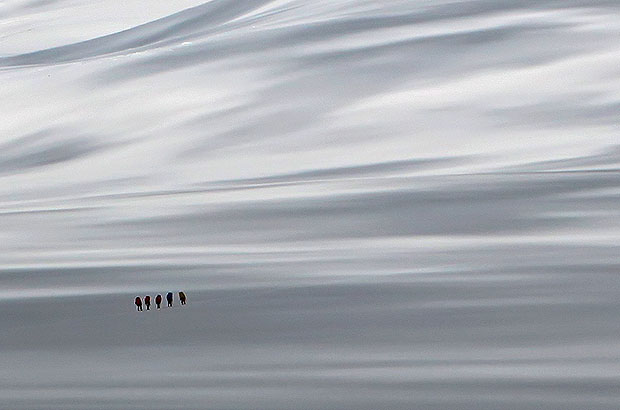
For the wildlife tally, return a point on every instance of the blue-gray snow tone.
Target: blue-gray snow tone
(371, 205)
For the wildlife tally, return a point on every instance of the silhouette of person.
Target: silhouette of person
(182, 297)
(147, 302)
(169, 299)
(138, 304)
(158, 301)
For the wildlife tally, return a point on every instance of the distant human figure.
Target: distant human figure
(169, 299)
(182, 297)
(138, 304)
(147, 302)
(158, 301)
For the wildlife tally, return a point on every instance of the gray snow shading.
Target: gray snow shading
(369, 204)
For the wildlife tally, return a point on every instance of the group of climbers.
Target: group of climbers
(147, 301)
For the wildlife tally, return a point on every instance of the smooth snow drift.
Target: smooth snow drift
(372, 204)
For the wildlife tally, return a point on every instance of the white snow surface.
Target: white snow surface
(370, 204)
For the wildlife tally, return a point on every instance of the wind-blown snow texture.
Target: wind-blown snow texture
(370, 204)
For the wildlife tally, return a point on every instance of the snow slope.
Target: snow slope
(370, 204)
